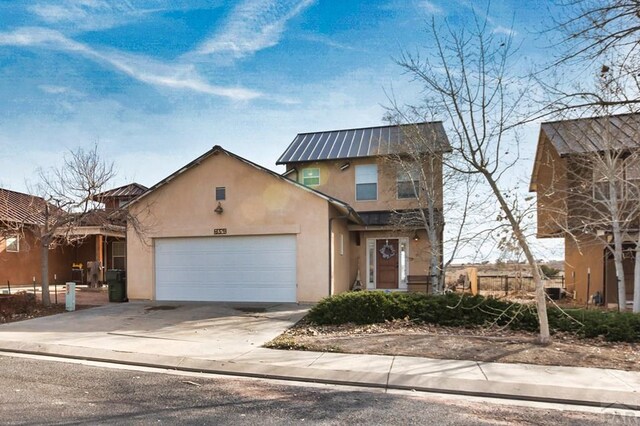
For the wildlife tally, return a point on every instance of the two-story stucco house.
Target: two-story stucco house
(223, 228)
(353, 165)
(573, 195)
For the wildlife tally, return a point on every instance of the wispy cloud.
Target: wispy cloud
(322, 39)
(505, 30)
(141, 68)
(252, 26)
(430, 7)
(89, 15)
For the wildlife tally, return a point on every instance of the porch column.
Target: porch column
(100, 256)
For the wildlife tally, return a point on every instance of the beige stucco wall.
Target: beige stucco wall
(341, 183)
(257, 203)
(341, 278)
(551, 190)
(580, 256)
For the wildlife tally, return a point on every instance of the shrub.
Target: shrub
(18, 303)
(456, 310)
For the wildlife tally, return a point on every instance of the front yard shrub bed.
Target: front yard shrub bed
(455, 310)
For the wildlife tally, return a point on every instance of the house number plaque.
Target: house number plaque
(220, 231)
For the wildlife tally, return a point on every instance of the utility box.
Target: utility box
(117, 282)
(70, 296)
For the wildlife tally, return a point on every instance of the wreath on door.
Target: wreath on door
(387, 251)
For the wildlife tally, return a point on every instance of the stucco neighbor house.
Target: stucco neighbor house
(569, 191)
(94, 237)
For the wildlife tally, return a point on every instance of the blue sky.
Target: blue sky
(156, 83)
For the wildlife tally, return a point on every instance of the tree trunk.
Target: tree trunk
(617, 259)
(44, 271)
(636, 278)
(541, 303)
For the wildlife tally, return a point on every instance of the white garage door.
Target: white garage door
(229, 269)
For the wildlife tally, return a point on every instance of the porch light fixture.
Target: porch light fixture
(345, 166)
(219, 209)
(416, 237)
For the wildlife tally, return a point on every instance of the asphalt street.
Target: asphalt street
(36, 391)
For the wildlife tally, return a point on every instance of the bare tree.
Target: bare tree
(466, 77)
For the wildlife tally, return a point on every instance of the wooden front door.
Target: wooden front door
(387, 264)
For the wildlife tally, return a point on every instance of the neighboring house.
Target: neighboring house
(95, 238)
(353, 165)
(567, 191)
(119, 197)
(222, 228)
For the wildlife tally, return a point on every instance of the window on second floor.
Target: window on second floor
(366, 182)
(632, 179)
(408, 183)
(626, 182)
(12, 244)
(310, 177)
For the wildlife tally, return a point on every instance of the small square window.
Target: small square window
(311, 177)
(221, 193)
(12, 244)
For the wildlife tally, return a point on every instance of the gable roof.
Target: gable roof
(18, 207)
(130, 190)
(343, 207)
(593, 134)
(590, 134)
(362, 142)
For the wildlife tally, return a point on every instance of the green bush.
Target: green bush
(368, 307)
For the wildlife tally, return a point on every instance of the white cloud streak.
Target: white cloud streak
(430, 7)
(253, 25)
(505, 30)
(144, 69)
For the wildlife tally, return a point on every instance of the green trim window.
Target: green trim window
(310, 177)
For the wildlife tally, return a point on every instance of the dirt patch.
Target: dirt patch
(485, 345)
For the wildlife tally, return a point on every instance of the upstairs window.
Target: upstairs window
(408, 183)
(602, 180)
(12, 244)
(367, 182)
(632, 178)
(311, 177)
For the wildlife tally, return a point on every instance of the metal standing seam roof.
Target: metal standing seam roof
(594, 134)
(129, 190)
(18, 207)
(362, 142)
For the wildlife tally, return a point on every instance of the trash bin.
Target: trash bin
(117, 281)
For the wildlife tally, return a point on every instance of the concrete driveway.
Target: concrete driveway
(221, 331)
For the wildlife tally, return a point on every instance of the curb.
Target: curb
(470, 387)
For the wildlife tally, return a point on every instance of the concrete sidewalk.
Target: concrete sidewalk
(195, 345)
